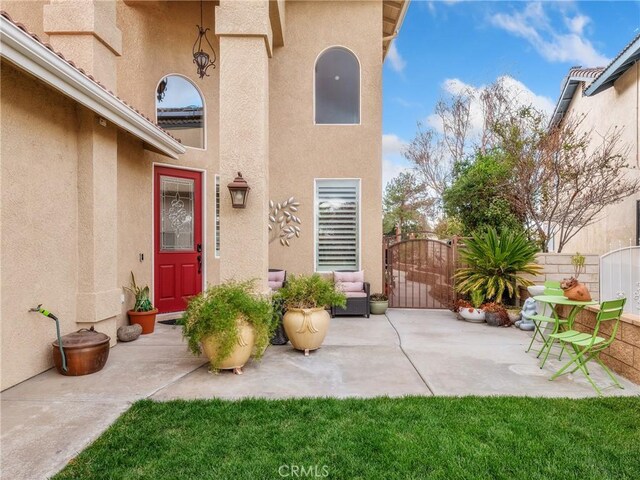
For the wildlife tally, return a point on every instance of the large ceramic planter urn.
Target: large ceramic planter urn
(147, 320)
(306, 327)
(239, 355)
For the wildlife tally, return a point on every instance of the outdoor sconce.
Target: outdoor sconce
(200, 57)
(239, 190)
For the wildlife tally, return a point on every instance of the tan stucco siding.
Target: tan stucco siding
(39, 221)
(616, 106)
(301, 151)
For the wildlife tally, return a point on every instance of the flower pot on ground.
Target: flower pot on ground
(496, 315)
(143, 312)
(378, 303)
(515, 313)
(472, 312)
(229, 322)
(305, 300)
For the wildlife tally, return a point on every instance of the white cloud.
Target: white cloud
(519, 91)
(392, 145)
(390, 170)
(395, 59)
(534, 25)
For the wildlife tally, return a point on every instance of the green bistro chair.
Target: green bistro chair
(540, 321)
(587, 346)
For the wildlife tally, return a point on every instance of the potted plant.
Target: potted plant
(378, 303)
(473, 313)
(515, 313)
(496, 315)
(143, 312)
(572, 288)
(305, 299)
(229, 322)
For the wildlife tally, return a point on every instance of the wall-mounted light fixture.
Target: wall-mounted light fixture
(239, 190)
(201, 58)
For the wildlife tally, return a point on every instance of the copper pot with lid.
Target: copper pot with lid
(86, 352)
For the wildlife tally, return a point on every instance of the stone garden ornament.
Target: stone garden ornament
(283, 221)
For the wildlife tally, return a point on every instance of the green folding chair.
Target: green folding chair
(540, 321)
(587, 346)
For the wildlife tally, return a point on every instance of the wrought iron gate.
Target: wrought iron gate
(419, 273)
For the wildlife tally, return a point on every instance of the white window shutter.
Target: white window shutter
(337, 225)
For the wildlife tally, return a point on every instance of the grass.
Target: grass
(382, 438)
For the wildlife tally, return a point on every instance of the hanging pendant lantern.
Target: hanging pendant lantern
(201, 58)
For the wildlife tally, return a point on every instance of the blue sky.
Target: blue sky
(450, 44)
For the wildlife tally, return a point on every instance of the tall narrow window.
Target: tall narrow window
(337, 87)
(217, 216)
(180, 110)
(337, 225)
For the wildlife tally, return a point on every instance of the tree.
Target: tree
(562, 177)
(480, 195)
(406, 204)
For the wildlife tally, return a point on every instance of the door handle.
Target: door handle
(199, 263)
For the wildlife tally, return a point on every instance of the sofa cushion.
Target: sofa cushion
(277, 276)
(360, 294)
(340, 277)
(275, 285)
(350, 286)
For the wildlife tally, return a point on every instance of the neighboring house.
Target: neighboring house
(93, 188)
(608, 97)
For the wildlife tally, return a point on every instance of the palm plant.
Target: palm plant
(495, 264)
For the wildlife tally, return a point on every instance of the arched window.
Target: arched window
(180, 110)
(337, 87)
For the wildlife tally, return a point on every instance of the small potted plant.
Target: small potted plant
(515, 313)
(572, 288)
(496, 315)
(143, 312)
(378, 303)
(229, 322)
(305, 300)
(474, 313)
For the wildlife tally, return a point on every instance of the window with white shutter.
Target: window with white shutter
(337, 225)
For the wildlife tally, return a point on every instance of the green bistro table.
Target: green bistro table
(554, 301)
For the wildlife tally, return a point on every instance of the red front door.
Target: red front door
(178, 249)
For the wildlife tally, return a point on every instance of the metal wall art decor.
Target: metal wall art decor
(283, 221)
(201, 58)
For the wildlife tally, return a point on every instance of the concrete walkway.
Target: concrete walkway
(48, 419)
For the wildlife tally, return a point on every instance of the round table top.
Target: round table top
(561, 300)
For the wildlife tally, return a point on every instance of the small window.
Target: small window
(180, 110)
(337, 87)
(217, 253)
(337, 225)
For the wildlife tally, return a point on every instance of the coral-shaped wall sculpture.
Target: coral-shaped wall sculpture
(283, 221)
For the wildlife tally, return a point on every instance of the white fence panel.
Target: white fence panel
(620, 277)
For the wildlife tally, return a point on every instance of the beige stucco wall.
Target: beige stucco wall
(616, 106)
(39, 244)
(302, 151)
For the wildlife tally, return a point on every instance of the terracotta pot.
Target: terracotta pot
(473, 315)
(378, 307)
(147, 320)
(238, 356)
(578, 292)
(306, 327)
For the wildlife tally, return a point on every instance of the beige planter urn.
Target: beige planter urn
(239, 355)
(306, 327)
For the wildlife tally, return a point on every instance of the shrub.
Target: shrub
(494, 264)
(379, 297)
(311, 291)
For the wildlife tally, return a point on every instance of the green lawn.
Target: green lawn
(413, 437)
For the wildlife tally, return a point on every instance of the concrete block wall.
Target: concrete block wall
(557, 266)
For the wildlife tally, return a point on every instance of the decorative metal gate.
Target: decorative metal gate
(419, 273)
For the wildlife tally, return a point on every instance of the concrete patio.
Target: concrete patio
(48, 419)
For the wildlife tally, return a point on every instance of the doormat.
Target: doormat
(168, 322)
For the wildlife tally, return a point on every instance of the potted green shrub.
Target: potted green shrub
(143, 312)
(495, 264)
(228, 322)
(305, 299)
(378, 303)
(473, 313)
